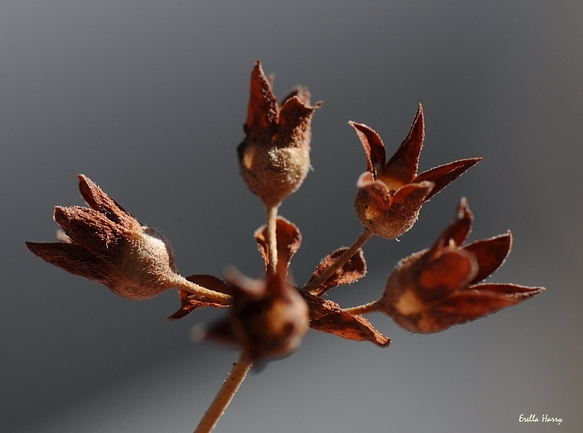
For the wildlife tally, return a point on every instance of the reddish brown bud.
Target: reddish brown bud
(391, 193)
(437, 288)
(268, 319)
(107, 244)
(274, 158)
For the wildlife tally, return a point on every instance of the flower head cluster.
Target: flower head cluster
(268, 317)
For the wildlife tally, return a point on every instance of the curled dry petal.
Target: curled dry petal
(91, 229)
(390, 193)
(72, 258)
(98, 200)
(489, 254)
(350, 327)
(262, 111)
(327, 316)
(457, 231)
(403, 165)
(437, 288)
(289, 240)
(477, 301)
(374, 148)
(352, 271)
(445, 174)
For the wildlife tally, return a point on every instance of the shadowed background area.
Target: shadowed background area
(148, 100)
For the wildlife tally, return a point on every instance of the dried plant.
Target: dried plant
(267, 318)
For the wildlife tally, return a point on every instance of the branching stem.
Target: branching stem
(225, 395)
(313, 286)
(371, 307)
(272, 239)
(241, 368)
(201, 293)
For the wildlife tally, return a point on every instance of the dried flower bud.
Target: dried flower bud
(105, 243)
(275, 156)
(437, 288)
(268, 319)
(391, 193)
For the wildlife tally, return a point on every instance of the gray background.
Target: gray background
(148, 99)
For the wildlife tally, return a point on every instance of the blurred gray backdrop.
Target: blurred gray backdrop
(148, 99)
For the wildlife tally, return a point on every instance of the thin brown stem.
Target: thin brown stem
(371, 307)
(313, 285)
(225, 395)
(272, 239)
(241, 368)
(201, 293)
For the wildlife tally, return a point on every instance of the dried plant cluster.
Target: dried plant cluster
(426, 292)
